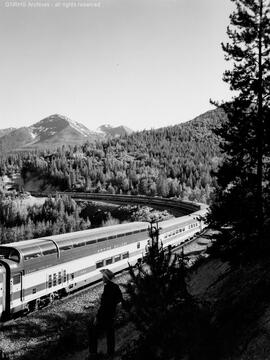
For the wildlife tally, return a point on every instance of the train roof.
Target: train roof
(100, 232)
(77, 236)
(175, 221)
(54, 244)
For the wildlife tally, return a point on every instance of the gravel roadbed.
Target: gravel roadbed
(30, 336)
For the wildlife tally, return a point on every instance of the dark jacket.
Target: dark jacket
(109, 299)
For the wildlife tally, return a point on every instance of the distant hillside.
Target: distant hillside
(209, 119)
(109, 130)
(184, 140)
(15, 139)
(6, 131)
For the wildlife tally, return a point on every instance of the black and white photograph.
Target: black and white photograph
(134, 179)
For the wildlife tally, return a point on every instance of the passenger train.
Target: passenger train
(34, 272)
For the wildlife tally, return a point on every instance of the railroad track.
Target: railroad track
(184, 207)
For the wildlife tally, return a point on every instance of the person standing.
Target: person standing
(104, 320)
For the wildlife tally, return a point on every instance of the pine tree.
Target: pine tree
(241, 199)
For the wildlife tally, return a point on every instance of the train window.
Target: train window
(66, 244)
(31, 256)
(16, 279)
(117, 258)
(79, 244)
(125, 255)
(90, 242)
(59, 277)
(108, 261)
(48, 248)
(99, 264)
(65, 276)
(72, 276)
(13, 255)
(34, 291)
(54, 280)
(49, 252)
(31, 252)
(103, 239)
(50, 281)
(66, 247)
(111, 237)
(138, 245)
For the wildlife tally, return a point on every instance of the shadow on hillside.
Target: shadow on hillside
(47, 336)
(243, 300)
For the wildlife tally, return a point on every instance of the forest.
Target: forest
(176, 161)
(171, 161)
(61, 214)
(20, 221)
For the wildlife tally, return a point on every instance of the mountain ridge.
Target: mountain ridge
(57, 130)
(53, 131)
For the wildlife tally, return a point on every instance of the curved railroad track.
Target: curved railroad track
(185, 207)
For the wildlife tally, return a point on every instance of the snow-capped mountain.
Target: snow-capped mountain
(109, 130)
(52, 131)
(55, 130)
(52, 126)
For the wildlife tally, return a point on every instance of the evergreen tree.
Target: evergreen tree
(243, 177)
(171, 323)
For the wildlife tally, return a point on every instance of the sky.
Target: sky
(139, 63)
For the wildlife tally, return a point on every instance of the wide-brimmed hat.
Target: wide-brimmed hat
(108, 274)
